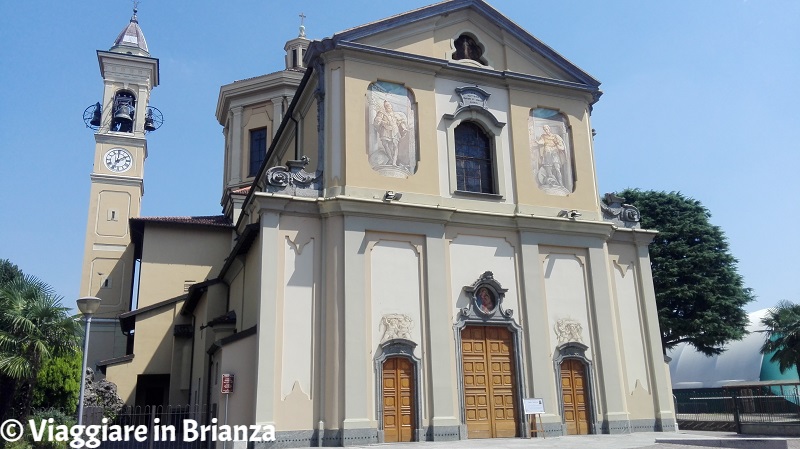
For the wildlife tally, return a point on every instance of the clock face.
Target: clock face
(118, 160)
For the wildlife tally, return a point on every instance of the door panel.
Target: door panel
(398, 400)
(488, 369)
(573, 397)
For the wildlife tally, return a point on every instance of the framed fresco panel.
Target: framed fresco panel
(551, 153)
(391, 129)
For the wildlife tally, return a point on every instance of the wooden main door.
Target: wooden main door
(574, 397)
(488, 368)
(398, 400)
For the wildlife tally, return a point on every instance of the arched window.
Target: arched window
(258, 149)
(474, 162)
(123, 112)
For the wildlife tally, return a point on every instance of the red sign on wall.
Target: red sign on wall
(227, 383)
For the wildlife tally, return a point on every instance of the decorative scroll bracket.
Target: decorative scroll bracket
(620, 214)
(293, 179)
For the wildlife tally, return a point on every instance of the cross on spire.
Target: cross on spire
(302, 27)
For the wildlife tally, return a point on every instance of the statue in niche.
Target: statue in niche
(467, 48)
(551, 155)
(396, 325)
(392, 134)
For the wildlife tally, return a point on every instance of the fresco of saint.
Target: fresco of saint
(551, 155)
(391, 130)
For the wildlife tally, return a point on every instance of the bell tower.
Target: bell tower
(121, 121)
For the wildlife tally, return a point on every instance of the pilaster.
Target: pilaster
(235, 174)
(610, 373)
(541, 379)
(445, 421)
(662, 399)
(358, 427)
(277, 114)
(266, 364)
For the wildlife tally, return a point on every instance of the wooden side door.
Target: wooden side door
(574, 397)
(398, 400)
(488, 370)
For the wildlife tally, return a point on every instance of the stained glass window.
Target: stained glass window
(474, 167)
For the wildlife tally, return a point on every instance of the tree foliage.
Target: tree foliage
(782, 335)
(8, 271)
(58, 384)
(699, 293)
(33, 328)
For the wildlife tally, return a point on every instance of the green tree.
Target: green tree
(699, 293)
(58, 384)
(782, 336)
(33, 327)
(8, 271)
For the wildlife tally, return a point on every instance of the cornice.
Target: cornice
(364, 207)
(445, 9)
(117, 179)
(637, 236)
(443, 67)
(375, 208)
(129, 139)
(286, 80)
(105, 58)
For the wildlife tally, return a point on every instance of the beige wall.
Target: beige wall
(237, 358)
(152, 349)
(173, 256)
(433, 182)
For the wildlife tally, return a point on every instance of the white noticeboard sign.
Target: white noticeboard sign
(533, 406)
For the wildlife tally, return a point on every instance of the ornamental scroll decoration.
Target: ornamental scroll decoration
(617, 212)
(568, 330)
(396, 325)
(293, 179)
(472, 96)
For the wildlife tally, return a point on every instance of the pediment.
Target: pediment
(433, 31)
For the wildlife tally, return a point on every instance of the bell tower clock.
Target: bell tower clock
(121, 121)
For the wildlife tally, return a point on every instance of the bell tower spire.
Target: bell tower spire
(120, 120)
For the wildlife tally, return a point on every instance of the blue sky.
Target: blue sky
(700, 96)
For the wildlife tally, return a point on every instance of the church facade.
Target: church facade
(412, 245)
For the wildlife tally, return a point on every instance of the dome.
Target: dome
(742, 361)
(131, 39)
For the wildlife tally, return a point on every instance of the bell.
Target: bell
(123, 113)
(97, 115)
(149, 125)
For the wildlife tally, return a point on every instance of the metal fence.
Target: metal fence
(162, 426)
(729, 407)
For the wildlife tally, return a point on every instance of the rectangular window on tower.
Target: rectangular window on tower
(258, 149)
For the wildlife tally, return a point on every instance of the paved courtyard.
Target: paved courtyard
(645, 440)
